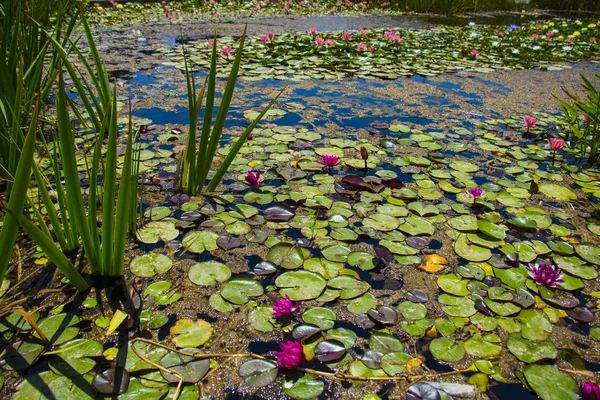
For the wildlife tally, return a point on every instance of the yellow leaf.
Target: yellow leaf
(433, 263)
(115, 321)
(432, 332)
(41, 261)
(413, 364)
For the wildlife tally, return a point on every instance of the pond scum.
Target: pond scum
(288, 261)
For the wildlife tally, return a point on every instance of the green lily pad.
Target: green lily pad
(478, 347)
(557, 192)
(322, 317)
(199, 241)
(362, 260)
(286, 255)
(530, 351)
(385, 343)
(550, 383)
(154, 231)
(471, 252)
(239, 290)
(162, 292)
(299, 385)
(446, 349)
(350, 287)
(208, 273)
(453, 284)
(535, 325)
(261, 318)
(300, 285)
(77, 357)
(589, 252)
(412, 310)
(150, 264)
(394, 363)
(336, 253)
(456, 306)
(381, 222)
(417, 226)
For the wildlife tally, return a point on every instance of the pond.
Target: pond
(414, 220)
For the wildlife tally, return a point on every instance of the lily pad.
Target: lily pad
(191, 333)
(150, 264)
(239, 290)
(209, 272)
(300, 285)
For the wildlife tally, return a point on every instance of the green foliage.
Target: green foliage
(198, 158)
(582, 120)
(24, 48)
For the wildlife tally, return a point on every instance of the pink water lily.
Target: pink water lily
(329, 42)
(320, 41)
(329, 161)
(291, 355)
(312, 31)
(253, 179)
(556, 144)
(474, 54)
(361, 47)
(226, 51)
(346, 36)
(363, 32)
(545, 274)
(475, 193)
(590, 391)
(284, 307)
(529, 122)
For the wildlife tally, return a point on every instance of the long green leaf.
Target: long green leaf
(214, 182)
(18, 196)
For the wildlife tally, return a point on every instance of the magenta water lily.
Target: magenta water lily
(475, 193)
(329, 161)
(590, 391)
(284, 307)
(253, 179)
(546, 274)
(291, 355)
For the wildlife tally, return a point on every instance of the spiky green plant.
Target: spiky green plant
(198, 157)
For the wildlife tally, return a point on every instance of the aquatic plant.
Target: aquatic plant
(475, 193)
(329, 161)
(545, 274)
(197, 158)
(253, 179)
(27, 28)
(555, 144)
(364, 154)
(590, 391)
(582, 119)
(529, 122)
(291, 355)
(284, 307)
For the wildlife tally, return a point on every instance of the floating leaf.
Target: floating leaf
(239, 290)
(191, 333)
(300, 285)
(446, 349)
(209, 272)
(191, 369)
(330, 350)
(258, 373)
(529, 351)
(150, 264)
(551, 384)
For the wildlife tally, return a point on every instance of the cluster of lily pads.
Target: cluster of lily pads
(494, 304)
(390, 53)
